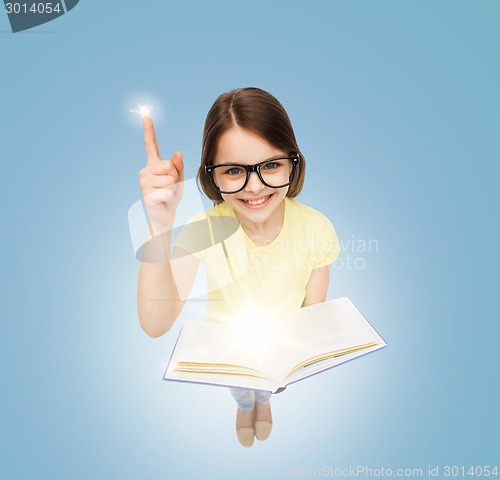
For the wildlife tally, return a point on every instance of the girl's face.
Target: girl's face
(256, 203)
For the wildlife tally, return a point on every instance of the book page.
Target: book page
(219, 348)
(329, 329)
(312, 369)
(297, 345)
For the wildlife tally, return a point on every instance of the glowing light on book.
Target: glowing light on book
(255, 329)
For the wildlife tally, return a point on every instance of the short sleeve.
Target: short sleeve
(206, 230)
(192, 238)
(326, 244)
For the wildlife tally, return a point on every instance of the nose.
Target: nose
(254, 184)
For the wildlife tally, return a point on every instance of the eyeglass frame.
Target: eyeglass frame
(295, 158)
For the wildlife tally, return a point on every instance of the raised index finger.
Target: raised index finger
(150, 143)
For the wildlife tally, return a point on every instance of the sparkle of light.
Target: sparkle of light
(142, 110)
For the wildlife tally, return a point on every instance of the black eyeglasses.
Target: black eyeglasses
(274, 173)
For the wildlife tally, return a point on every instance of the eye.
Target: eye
(271, 165)
(233, 171)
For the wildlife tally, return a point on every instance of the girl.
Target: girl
(252, 168)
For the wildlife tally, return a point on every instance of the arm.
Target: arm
(158, 299)
(317, 286)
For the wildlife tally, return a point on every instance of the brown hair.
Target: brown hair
(257, 111)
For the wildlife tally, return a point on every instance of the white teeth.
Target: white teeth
(257, 202)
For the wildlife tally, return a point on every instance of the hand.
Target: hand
(161, 182)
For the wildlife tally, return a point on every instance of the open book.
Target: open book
(270, 354)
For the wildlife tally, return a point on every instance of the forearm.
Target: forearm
(158, 301)
(317, 286)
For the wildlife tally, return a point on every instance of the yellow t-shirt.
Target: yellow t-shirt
(249, 280)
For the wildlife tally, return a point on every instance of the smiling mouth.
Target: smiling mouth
(256, 202)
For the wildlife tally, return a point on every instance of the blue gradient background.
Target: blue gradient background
(396, 106)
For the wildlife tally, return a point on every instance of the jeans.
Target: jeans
(246, 398)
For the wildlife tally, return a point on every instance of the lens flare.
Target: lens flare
(142, 110)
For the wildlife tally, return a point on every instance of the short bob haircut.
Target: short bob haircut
(259, 112)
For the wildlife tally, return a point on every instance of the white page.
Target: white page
(322, 328)
(327, 364)
(305, 333)
(206, 342)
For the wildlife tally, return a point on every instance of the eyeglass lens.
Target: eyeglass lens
(231, 178)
